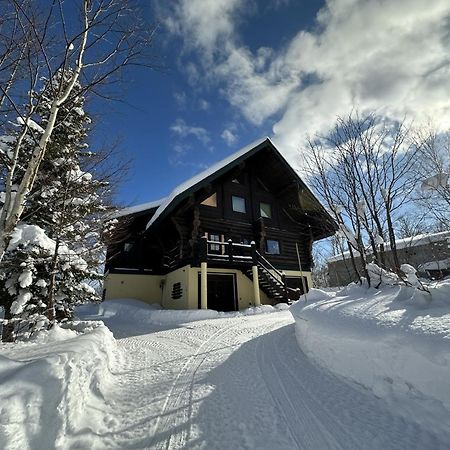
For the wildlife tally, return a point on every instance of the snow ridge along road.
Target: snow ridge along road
(241, 383)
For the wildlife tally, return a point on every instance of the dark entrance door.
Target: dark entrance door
(221, 292)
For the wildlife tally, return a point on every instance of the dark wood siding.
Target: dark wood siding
(263, 178)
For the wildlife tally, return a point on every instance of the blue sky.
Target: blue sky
(238, 70)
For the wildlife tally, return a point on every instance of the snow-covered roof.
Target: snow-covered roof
(442, 264)
(202, 176)
(139, 208)
(413, 241)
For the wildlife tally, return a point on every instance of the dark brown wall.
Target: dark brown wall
(264, 178)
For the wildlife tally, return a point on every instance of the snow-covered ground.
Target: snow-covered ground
(394, 342)
(225, 381)
(54, 389)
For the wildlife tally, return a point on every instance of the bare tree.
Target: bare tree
(102, 38)
(433, 175)
(362, 169)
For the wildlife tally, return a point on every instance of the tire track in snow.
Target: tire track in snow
(190, 369)
(189, 387)
(141, 382)
(342, 415)
(306, 430)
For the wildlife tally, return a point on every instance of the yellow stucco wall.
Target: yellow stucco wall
(177, 276)
(158, 288)
(143, 287)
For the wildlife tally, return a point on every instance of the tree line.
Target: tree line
(372, 173)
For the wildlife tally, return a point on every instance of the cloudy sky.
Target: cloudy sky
(237, 70)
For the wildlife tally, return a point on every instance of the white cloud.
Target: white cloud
(228, 136)
(203, 104)
(382, 55)
(180, 99)
(201, 23)
(183, 130)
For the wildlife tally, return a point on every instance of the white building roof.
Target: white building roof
(139, 208)
(413, 241)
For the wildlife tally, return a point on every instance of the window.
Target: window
(214, 248)
(238, 204)
(210, 201)
(272, 247)
(265, 210)
(128, 246)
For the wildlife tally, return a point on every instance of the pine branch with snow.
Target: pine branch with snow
(55, 254)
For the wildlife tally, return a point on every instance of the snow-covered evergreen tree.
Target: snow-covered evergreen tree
(55, 253)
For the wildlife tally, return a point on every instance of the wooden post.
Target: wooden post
(230, 250)
(254, 253)
(283, 280)
(203, 253)
(255, 275)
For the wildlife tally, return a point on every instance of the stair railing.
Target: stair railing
(270, 269)
(278, 277)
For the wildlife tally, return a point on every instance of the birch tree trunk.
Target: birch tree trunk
(14, 206)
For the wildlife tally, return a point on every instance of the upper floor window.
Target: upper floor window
(265, 210)
(272, 247)
(210, 201)
(128, 246)
(238, 204)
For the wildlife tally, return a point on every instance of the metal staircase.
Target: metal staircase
(271, 281)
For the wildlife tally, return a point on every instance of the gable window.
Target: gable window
(210, 201)
(265, 210)
(238, 204)
(272, 247)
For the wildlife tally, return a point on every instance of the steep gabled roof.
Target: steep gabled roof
(205, 177)
(140, 208)
(166, 205)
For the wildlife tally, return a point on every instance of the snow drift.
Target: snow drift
(50, 386)
(394, 341)
(135, 311)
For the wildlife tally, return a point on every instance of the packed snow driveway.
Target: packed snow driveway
(240, 383)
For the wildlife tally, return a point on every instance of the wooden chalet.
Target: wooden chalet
(238, 234)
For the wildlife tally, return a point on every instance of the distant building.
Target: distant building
(428, 253)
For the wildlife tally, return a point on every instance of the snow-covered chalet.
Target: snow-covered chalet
(238, 234)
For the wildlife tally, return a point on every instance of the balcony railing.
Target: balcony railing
(229, 251)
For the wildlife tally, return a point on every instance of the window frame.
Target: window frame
(261, 210)
(215, 249)
(244, 202)
(277, 244)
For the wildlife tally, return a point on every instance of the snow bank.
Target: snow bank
(130, 310)
(394, 341)
(52, 388)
